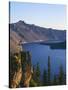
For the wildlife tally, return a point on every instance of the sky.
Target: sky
(44, 15)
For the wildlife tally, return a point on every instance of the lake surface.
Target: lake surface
(40, 53)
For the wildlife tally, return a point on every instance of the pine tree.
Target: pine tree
(61, 76)
(49, 70)
(44, 77)
(55, 80)
(37, 76)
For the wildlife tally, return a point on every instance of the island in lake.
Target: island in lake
(41, 51)
(37, 45)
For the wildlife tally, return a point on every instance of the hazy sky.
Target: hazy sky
(45, 15)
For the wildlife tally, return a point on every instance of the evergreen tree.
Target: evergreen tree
(33, 83)
(55, 80)
(49, 70)
(44, 77)
(61, 76)
(34, 72)
(37, 74)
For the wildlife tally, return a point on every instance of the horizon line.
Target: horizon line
(35, 25)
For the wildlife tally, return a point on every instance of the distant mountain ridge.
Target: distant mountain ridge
(24, 32)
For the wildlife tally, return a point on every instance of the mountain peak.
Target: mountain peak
(21, 22)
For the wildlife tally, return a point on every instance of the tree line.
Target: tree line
(38, 78)
(46, 80)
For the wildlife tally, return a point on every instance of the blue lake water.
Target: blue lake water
(40, 53)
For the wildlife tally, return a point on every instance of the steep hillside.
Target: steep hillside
(21, 31)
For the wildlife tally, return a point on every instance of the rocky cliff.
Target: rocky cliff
(21, 31)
